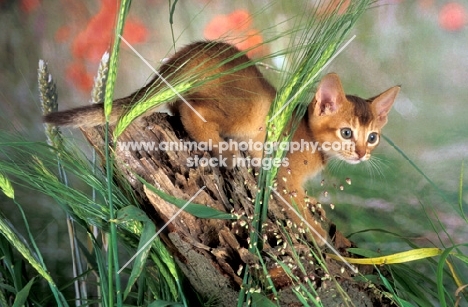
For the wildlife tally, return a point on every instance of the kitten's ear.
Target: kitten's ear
(329, 95)
(383, 103)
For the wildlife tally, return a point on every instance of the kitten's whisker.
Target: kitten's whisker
(374, 167)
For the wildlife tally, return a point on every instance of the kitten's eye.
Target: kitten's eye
(346, 133)
(372, 138)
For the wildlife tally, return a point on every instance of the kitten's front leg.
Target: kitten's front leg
(208, 133)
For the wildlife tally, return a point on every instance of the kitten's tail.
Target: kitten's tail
(86, 116)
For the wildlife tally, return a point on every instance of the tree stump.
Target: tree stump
(212, 252)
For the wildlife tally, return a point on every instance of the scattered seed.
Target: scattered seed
(239, 270)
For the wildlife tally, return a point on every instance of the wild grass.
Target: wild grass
(123, 228)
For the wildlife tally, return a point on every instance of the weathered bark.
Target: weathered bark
(212, 252)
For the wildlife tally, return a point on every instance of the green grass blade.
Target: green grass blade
(132, 213)
(171, 20)
(197, 210)
(113, 260)
(462, 257)
(389, 286)
(160, 303)
(149, 229)
(23, 294)
(102, 271)
(3, 301)
(413, 285)
(440, 276)
(460, 192)
(6, 187)
(131, 216)
(143, 106)
(114, 56)
(167, 269)
(18, 242)
(10, 269)
(260, 300)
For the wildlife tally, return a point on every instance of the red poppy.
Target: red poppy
(217, 28)
(135, 32)
(453, 16)
(239, 20)
(76, 73)
(235, 28)
(90, 44)
(62, 34)
(333, 6)
(28, 6)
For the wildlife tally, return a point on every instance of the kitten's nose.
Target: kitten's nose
(361, 152)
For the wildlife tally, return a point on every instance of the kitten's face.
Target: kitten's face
(350, 133)
(348, 127)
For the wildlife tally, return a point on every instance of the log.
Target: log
(210, 252)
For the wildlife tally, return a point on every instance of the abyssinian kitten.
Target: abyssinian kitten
(235, 106)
